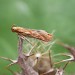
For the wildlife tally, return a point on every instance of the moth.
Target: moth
(32, 33)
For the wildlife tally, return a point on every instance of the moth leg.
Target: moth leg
(24, 38)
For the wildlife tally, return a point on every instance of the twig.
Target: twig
(27, 70)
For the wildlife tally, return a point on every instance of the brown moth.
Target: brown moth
(38, 34)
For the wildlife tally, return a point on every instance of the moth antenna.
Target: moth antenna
(53, 32)
(13, 25)
(24, 38)
(20, 45)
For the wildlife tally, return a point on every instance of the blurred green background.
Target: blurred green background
(58, 15)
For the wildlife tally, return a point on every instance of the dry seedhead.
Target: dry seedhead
(35, 58)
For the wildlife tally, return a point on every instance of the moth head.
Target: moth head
(17, 29)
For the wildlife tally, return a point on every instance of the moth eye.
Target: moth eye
(38, 30)
(48, 34)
